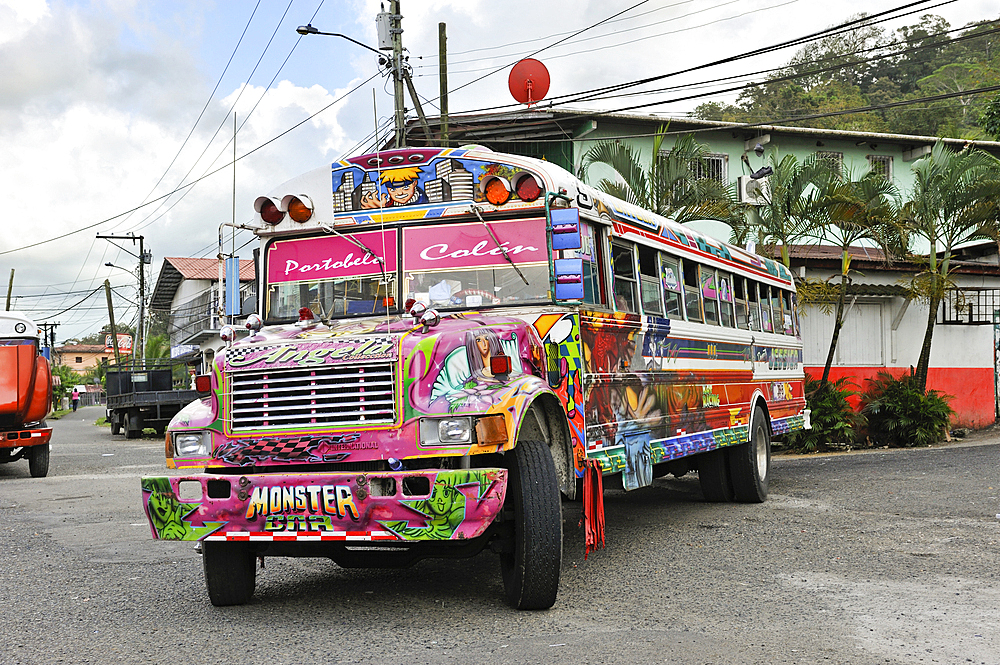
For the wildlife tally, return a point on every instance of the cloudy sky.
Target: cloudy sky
(108, 105)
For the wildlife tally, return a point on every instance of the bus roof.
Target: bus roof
(417, 184)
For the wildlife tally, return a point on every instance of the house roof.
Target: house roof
(552, 125)
(869, 258)
(82, 348)
(177, 269)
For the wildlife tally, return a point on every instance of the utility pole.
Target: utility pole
(397, 71)
(443, 75)
(111, 317)
(390, 33)
(144, 258)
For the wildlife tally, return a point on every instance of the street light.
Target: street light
(310, 30)
(391, 21)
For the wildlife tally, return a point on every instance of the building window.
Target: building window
(880, 165)
(836, 159)
(79, 359)
(714, 166)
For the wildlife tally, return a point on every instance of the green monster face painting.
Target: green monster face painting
(165, 511)
(443, 511)
(167, 514)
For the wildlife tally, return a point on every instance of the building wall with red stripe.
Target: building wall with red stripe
(971, 388)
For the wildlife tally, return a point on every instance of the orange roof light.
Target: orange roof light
(497, 191)
(300, 208)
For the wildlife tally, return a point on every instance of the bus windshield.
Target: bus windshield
(446, 266)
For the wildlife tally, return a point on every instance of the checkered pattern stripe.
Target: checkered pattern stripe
(301, 536)
(280, 448)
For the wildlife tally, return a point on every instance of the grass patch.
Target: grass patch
(58, 413)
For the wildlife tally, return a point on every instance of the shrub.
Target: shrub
(833, 419)
(900, 415)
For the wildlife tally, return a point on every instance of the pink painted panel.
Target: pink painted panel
(329, 257)
(471, 246)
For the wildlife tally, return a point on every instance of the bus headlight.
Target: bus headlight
(192, 444)
(446, 431)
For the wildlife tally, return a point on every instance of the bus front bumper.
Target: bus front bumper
(422, 505)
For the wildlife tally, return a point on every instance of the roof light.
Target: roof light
(269, 210)
(527, 186)
(299, 208)
(497, 191)
(306, 314)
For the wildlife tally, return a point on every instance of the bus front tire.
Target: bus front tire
(38, 461)
(531, 566)
(750, 463)
(230, 572)
(713, 476)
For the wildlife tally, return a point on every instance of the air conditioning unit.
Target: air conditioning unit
(753, 192)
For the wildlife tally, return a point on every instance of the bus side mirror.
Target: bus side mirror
(569, 279)
(565, 224)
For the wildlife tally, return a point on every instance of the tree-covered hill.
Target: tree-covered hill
(925, 79)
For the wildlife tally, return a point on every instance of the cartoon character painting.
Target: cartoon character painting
(466, 367)
(401, 190)
(480, 346)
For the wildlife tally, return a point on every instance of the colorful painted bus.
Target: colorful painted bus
(450, 338)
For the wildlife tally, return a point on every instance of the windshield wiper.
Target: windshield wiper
(503, 250)
(368, 252)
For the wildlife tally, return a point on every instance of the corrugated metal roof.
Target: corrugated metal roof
(207, 268)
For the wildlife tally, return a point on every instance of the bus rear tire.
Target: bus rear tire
(713, 475)
(230, 572)
(38, 461)
(530, 565)
(750, 463)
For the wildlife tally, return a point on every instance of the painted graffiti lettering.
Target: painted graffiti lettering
(298, 523)
(348, 261)
(347, 350)
(441, 251)
(317, 500)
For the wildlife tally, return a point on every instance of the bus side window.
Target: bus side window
(777, 313)
(765, 308)
(786, 313)
(590, 253)
(649, 282)
(623, 267)
(709, 294)
(740, 297)
(754, 305)
(673, 289)
(692, 294)
(725, 301)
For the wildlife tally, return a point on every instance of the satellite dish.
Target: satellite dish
(528, 81)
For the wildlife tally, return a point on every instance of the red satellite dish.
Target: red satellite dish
(528, 81)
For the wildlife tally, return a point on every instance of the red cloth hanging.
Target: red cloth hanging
(593, 506)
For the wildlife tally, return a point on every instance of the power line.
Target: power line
(194, 182)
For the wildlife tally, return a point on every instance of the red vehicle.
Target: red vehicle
(25, 395)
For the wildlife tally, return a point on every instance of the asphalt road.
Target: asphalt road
(873, 557)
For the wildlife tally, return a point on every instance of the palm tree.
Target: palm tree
(792, 209)
(672, 186)
(856, 210)
(955, 199)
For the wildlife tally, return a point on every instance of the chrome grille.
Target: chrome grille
(325, 396)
